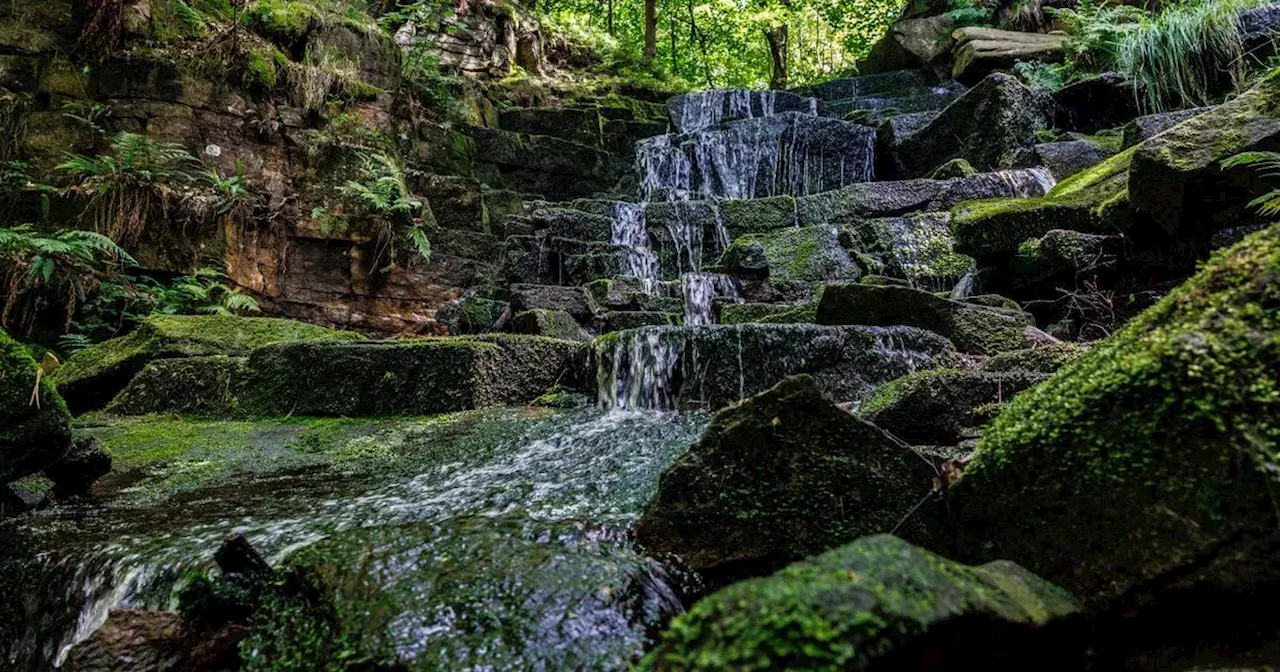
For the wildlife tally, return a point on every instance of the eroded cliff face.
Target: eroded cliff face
(298, 98)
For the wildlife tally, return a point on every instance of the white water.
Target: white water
(699, 291)
(630, 232)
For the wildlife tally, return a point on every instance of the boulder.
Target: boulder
(952, 169)
(621, 320)
(558, 169)
(1152, 125)
(92, 377)
(474, 315)
(1098, 103)
(210, 386)
(973, 329)
(134, 640)
(1080, 255)
(938, 407)
(782, 476)
(910, 43)
(484, 592)
(573, 300)
(797, 255)
(1146, 465)
(1063, 159)
(1044, 359)
(996, 116)
(980, 51)
(1177, 184)
(917, 248)
(35, 430)
(877, 603)
(551, 323)
(77, 471)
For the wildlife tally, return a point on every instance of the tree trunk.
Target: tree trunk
(777, 37)
(650, 31)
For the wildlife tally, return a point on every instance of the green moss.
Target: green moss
(804, 254)
(1107, 176)
(858, 605)
(31, 436)
(261, 69)
(1047, 359)
(952, 169)
(1158, 444)
(92, 377)
(936, 407)
(289, 20)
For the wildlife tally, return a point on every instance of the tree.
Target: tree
(777, 36)
(650, 31)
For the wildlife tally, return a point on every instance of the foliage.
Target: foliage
(380, 195)
(1267, 165)
(42, 270)
(1039, 73)
(92, 114)
(1186, 55)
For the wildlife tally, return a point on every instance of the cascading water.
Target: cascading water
(629, 232)
(1028, 182)
(580, 466)
(699, 290)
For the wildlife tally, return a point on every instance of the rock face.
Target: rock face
(979, 51)
(975, 329)
(878, 603)
(92, 377)
(937, 407)
(996, 116)
(1176, 181)
(1146, 463)
(782, 476)
(31, 436)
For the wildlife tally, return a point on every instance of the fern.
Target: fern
(51, 269)
(420, 243)
(1266, 164)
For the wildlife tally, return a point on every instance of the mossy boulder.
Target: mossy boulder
(473, 315)
(877, 603)
(549, 323)
(34, 430)
(93, 376)
(776, 313)
(209, 385)
(1045, 359)
(1092, 201)
(796, 255)
(972, 328)
(1150, 461)
(1063, 251)
(502, 592)
(1177, 183)
(937, 407)
(784, 475)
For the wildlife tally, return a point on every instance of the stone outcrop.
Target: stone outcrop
(973, 328)
(807, 475)
(1151, 125)
(876, 603)
(996, 116)
(938, 407)
(1144, 465)
(979, 51)
(34, 422)
(910, 43)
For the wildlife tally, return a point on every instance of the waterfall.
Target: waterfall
(1028, 182)
(630, 233)
(699, 290)
(640, 372)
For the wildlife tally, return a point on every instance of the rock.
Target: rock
(979, 51)
(1108, 483)
(973, 329)
(134, 640)
(782, 476)
(877, 603)
(714, 366)
(92, 377)
(996, 116)
(953, 168)
(1045, 359)
(709, 109)
(892, 131)
(937, 407)
(189, 385)
(792, 256)
(621, 320)
(1081, 255)
(1176, 182)
(551, 323)
(1152, 125)
(28, 493)
(237, 556)
(77, 471)
(1258, 28)
(1093, 201)
(474, 315)
(572, 300)
(776, 313)
(32, 435)
(558, 169)
(910, 43)
(1063, 159)
(1098, 103)
(844, 88)
(484, 592)
(917, 248)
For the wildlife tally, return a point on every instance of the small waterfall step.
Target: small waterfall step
(702, 110)
(668, 368)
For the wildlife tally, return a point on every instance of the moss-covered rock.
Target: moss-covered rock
(209, 385)
(473, 315)
(937, 407)
(92, 377)
(1062, 251)
(795, 255)
(1045, 359)
(1177, 182)
(1092, 201)
(1148, 462)
(34, 428)
(974, 329)
(953, 168)
(549, 323)
(773, 313)
(465, 593)
(779, 477)
(876, 603)
(621, 320)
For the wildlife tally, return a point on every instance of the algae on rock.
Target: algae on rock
(34, 422)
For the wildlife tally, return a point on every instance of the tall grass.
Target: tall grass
(1187, 54)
